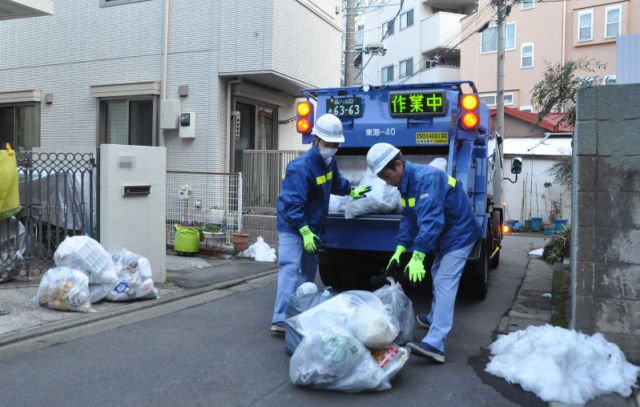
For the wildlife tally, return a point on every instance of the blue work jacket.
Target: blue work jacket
(306, 187)
(436, 212)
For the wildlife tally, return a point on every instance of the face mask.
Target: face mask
(326, 152)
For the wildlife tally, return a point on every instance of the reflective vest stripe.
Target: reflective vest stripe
(452, 182)
(324, 178)
(412, 202)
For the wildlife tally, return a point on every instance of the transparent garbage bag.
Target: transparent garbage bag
(65, 289)
(361, 312)
(382, 198)
(87, 255)
(304, 299)
(335, 360)
(392, 295)
(134, 278)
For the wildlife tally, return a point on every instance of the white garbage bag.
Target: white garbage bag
(134, 278)
(87, 255)
(381, 199)
(362, 313)
(392, 295)
(335, 360)
(260, 251)
(65, 289)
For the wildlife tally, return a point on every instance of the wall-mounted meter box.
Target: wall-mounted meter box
(169, 112)
(187, 125)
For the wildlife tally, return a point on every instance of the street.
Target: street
(216, 350)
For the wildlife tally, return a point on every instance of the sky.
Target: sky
(562, 365)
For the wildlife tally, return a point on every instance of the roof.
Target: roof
(551, 122)
(560, 146)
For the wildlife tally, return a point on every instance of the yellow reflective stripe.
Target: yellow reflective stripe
(452, 182)
(324, 178)
(412, 202)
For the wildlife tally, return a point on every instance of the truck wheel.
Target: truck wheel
(477, 282)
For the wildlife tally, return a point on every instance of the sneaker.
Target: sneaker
(425, 350)
(422, 320)
(277, 328)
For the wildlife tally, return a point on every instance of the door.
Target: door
(257, 130)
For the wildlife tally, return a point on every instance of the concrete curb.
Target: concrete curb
(125, 309)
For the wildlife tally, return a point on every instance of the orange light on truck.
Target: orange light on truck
(506, 229)
(469, 120)
(470, 101)
(304, 117)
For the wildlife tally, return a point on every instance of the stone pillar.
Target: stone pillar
(606, 195)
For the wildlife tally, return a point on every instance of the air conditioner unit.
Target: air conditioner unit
(608, 79)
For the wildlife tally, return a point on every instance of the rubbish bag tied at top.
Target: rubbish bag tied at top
(9, 197)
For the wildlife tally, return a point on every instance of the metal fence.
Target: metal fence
(263, 171)
(209, 201)
(58, 198)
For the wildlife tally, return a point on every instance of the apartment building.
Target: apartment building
(126, 71)
(413, 40)
(540, 33)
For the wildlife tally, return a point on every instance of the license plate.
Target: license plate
(432, 137)
(345, 107)
(429, 103)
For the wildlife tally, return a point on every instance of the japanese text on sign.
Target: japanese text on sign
(419, 103)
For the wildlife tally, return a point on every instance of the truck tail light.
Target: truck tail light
(469, 111)
(304, 117)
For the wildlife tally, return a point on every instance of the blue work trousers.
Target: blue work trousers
(446, 272)
(295, 266)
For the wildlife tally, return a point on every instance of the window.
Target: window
(406, 19)
(526, 109)
(490, 38)
(612, 21)
(526, 55)
(106, 3)
(20, 126)
(528, 4)
(491, 99)
(387, 29)
(387, 73)
(406, 68)
(127, 121)
(585, 25)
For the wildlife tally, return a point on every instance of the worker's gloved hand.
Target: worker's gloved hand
(415, 268)
(309, 239)
(359, 192)
(394, 262)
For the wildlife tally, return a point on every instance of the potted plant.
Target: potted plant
(240, 241)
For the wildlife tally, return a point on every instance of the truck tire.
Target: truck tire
(476, 275)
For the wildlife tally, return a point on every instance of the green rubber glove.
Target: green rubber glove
(394, 262)
(415, 267)
(359, 192)
(309, 239)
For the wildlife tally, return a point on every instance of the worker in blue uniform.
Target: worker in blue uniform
(303, 205)
(436, 216)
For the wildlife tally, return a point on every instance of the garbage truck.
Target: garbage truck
(426, 121)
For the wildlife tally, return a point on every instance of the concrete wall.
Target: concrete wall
(134, 223)
(605, 258)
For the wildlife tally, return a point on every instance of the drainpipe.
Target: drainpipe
(564, 31)
(165, 60)
(227, 121)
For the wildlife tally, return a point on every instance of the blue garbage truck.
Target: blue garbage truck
(425, 121)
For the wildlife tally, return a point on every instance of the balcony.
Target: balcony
(440, 30)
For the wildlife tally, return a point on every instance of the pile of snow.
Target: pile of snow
(562, 365)
(536, 253)
(260, 251)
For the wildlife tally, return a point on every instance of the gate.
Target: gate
(58, 198)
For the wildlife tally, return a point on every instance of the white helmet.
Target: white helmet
(379, 155)
(329, 128)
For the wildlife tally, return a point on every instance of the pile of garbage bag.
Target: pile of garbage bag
(348, 341)
(381, 199)
(86, 273)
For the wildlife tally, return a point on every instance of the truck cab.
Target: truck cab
(425, 121)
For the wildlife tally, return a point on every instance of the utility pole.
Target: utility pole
(349, 44)
(502, 12)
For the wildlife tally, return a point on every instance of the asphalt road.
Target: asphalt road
(215, 349)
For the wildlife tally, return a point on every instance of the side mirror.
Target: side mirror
(516, 165)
